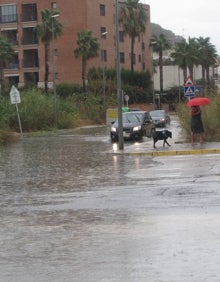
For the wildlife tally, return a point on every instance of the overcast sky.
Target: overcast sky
(188, 18)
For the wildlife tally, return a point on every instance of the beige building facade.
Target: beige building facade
(18, 20)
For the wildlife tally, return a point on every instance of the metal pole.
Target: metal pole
(54, 72)
(179, 83)
(119, 96)
(19, 120)
(103, 71)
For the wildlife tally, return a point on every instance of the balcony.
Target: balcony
(29, 36)
(29, 12)
(11, 35)
(30, 59)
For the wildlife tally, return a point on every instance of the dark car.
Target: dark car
(160, 118)
(136, 125)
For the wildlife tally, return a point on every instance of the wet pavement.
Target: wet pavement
(73, 208)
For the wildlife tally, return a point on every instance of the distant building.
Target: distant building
(18, 20)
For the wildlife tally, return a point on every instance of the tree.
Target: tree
(197, 51)
(207, 56)
(133, 20)
(88, 47)
(185, 55)
(49, 29)
(6, 53)
(159, 45)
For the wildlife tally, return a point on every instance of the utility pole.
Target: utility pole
(119, 96)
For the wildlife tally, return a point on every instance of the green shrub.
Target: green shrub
(210, 118)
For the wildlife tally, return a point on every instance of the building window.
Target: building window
(102, 10)
(139, 58)
(103, 32)
(134, 58)
(121, 36)
(8, 14)
(104, 55)
(122, 57)
(53, 5)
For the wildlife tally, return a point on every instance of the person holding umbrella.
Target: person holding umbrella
(196, 118)
(196, 124)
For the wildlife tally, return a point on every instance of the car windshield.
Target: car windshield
(159, 113)
(132, 117)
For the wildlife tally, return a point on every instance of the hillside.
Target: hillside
(156, 30)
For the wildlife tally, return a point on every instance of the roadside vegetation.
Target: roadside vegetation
(210, 118)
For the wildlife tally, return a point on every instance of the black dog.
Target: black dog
(162, 135)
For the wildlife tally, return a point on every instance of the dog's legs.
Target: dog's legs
(165, 141)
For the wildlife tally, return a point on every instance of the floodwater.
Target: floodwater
(72, 211)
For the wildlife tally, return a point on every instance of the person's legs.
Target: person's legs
(201, 139)
(192, 137)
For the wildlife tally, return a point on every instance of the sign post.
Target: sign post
(15, 99)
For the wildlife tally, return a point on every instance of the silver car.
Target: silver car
(160, 118)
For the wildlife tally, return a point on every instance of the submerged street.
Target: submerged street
(71, 210)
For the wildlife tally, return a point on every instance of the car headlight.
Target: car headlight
(137, 128)
(113, 129)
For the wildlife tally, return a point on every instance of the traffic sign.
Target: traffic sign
(189, 91)
(15, 95)
(189, 81)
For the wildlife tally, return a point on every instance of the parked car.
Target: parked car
(160, 118)
(136, 125)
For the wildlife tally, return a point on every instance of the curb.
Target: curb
(173, 153)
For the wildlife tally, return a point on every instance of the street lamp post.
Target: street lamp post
(119, 96)
(54, 70)
(103, 68)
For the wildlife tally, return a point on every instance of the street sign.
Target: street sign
(189, 81)
(189, 91)
(15, 99)
(15, 95)
(189, 87)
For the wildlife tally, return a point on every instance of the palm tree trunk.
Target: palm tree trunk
(203, 73)
(1, 81)
(207, 75)
(191, 72)
(184, 73)
(132, 53)
(161, 71)
(84, 63)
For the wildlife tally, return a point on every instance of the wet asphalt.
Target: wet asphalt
(75, 208)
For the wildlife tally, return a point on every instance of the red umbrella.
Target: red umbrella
(198, 101)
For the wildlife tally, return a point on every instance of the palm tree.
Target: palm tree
(88, 47)
(185, 55)
(6, 53)
(49, 29)
(207, 56)
(133, 20)
(197, 51)
(159, 45)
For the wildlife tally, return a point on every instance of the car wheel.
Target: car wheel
(137, 137)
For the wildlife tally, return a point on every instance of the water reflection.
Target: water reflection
(54, 194)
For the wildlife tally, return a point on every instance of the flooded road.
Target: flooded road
(72, 211)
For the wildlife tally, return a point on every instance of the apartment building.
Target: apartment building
(19, 18)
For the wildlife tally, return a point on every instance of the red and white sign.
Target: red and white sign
(189, 82)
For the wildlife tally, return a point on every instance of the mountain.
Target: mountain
(156, 30)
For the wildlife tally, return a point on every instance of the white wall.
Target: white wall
(173, 76)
